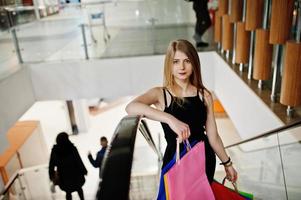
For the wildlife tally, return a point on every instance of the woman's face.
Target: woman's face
(182, 67)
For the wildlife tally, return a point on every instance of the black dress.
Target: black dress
(192, 112)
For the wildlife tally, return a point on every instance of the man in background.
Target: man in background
(100, 154)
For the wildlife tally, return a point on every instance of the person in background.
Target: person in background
(203, 21)
(66, 167)
(100, 154)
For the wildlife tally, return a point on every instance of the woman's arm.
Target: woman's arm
(214, 138)
(142, 106)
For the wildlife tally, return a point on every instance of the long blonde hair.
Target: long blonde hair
(187, 48)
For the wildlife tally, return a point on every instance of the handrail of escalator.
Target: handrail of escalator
(272, 132)
(148, 137)
(12, 180)
(117, 163)
(16, 176)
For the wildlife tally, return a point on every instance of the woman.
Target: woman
(184, 107)
(70, 171)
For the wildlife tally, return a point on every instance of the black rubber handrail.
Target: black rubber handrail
(117, 164)
(272, 132)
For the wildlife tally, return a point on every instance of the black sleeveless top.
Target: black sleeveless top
(193, 112)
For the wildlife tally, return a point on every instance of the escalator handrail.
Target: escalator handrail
(117, 163)
(272, 132)
(8, 185)
(148, 137)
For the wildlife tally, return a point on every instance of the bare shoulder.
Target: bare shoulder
(158, 92)
(207, 94)
(151, 96)
(155, 90)
(208, 97)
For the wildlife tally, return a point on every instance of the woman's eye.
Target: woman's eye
(175, 61)
(187, 61)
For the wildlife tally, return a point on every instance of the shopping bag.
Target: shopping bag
(161, 192)
(221, 192)
(187, 179)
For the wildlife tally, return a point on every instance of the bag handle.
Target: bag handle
(233, 183)
(186, 144)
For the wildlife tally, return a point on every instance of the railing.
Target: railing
(117, 164)
(118, 178)
(30, 183)
(84, 30)
(268, 164)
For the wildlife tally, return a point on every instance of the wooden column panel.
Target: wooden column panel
(222, 7)
(218, 28)
(262, 55)
(291, 80)
(236, 10)
(254, 14)
(227, 33)
(281, 21)
(242, 47)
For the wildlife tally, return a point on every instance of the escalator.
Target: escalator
(268, 166)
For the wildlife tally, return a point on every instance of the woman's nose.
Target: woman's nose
(182, 65)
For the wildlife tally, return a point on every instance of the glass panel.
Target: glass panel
(113, 28)
(8, 58)
(259, 168)
(15, 191)
(290, 150)
(49, 40)
(137, 27)
(36, 184)
(4, 20)
(144, 175)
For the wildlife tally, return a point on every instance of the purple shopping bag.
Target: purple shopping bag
(187, 179)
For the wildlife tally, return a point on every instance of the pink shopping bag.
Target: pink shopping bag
(187, 179)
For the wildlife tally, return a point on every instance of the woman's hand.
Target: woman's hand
(231, 173)
(180, 128)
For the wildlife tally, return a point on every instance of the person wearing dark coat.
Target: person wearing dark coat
(70, 170)
(100, 154)
(203, 21)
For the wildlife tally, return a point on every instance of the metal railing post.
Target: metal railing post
(16, 44)
(85, 41)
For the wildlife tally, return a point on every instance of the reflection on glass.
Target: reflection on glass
(113, 29)
(33, 183)
(7, 46)
(259, 167)
(15, 191)
(145, 169)
(290, 151)
(51, 40)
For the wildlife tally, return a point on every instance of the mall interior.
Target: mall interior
(72, 66)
